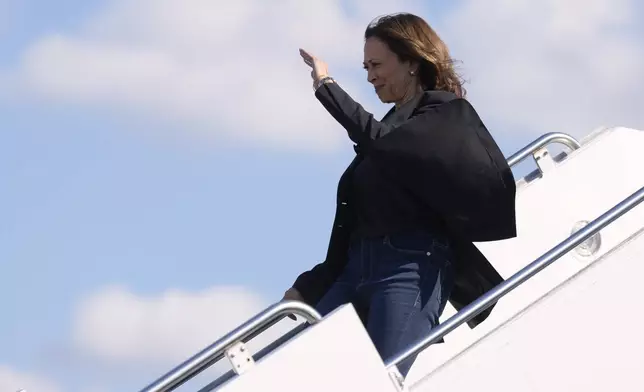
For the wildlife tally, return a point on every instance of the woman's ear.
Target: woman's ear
(414, 67)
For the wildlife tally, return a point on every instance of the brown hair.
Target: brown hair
(412, 39)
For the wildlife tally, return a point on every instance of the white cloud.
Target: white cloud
(129, 340)
(12, 380)
(230, 68)
(122, 327)
(542, 66)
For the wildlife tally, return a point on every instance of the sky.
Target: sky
(166, 172)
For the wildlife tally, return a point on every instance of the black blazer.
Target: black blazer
(445, 157)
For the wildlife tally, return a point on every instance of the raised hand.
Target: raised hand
(319, 69)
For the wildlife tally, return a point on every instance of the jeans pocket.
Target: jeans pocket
(409, 246)
(420, 246)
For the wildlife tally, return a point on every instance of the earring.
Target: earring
(412, 73)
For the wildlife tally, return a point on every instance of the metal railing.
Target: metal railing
(548, 138)
(492, 296)
(270, 316)
(258, 356)
(245, 332)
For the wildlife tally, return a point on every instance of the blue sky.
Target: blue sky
(110, 187)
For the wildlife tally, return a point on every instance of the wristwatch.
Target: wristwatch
(323, 81)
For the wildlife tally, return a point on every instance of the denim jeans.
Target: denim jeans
(399, 286)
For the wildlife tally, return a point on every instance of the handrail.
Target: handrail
(492, 296)
(273, 314)
(213, 353)
(257, 357)
(548, 138)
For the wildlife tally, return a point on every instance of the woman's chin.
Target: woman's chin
(384, 98)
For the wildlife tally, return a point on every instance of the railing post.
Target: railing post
(215, 351)
(548, 138)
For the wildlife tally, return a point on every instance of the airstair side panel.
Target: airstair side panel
(590, 181)
(335, 354)
(586, 335)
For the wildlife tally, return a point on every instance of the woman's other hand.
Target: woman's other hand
(319, 69)
(292, 295)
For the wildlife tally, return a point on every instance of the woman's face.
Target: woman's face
(390, 77)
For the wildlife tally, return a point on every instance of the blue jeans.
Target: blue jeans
(399, 286)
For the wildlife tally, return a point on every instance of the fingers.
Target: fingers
(308, 62)
(318, 67)
(307, 57)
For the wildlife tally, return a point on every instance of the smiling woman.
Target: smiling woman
(402, 60)
(427, 181)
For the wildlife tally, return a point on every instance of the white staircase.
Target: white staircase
(567, 315)
(607, 169)
(586, 335)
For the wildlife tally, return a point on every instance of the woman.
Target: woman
(427, 181)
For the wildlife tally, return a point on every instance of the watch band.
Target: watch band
(323, 81)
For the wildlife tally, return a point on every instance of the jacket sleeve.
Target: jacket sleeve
(313, 284)
(442, 155)
(359, 123)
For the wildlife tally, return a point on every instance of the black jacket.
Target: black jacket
(446, 158)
